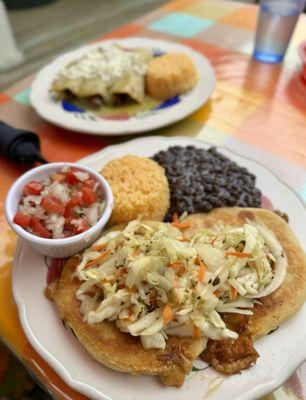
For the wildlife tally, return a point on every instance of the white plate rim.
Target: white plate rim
(89, 390)
(191, 102)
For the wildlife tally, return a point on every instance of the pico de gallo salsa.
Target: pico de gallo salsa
(63, 205)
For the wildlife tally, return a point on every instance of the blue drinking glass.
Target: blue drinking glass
(275, 25)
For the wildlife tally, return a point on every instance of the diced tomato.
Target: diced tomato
(89, 195)
(70, 177)
(38, 228)
(81, 227)
(90, 183)
(68, 209)
(76, 200)
(32, 188)
(52, 204)
(22, 219)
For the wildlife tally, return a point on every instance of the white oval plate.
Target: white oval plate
(280, 352)
(87, 123)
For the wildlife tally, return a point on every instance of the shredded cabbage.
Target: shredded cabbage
(153, 282)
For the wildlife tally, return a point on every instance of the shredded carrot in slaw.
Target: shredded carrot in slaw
(178, 267)
(196, 332)
(93, 262)
(167, 314)
(176, 222)
(134, 254)
(238, 254)
(202, 269)
(181, 225)
(175, 218)
(234, 293)
(99, 247)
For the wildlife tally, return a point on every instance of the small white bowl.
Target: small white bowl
(57, 248)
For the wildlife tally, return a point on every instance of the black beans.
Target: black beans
(201, 180)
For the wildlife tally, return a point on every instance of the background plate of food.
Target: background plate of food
(235, 187)
(123, 86)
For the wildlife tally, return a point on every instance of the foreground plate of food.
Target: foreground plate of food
(123, 86)
(252, 243)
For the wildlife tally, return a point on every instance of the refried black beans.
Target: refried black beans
(201, 180)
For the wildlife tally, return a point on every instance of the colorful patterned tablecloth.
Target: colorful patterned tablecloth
(257, 109)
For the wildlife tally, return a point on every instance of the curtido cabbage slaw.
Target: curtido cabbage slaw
(154, 282)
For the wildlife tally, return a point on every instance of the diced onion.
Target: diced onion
(82, 176)
(60, 192)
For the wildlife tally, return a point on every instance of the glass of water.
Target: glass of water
(276, 23)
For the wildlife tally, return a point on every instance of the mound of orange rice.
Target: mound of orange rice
(140, 189)
(170, 75)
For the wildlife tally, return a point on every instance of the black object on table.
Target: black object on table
(21, 4)
(19, 145)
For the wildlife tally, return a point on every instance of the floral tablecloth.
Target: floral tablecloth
(258, 110)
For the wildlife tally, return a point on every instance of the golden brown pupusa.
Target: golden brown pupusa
(123, 352)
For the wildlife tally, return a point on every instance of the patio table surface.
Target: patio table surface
(258, 110)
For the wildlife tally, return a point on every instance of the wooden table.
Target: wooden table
(257, 109)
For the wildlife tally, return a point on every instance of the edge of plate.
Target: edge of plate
(87, 390)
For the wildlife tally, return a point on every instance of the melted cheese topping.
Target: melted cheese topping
(108, 63)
